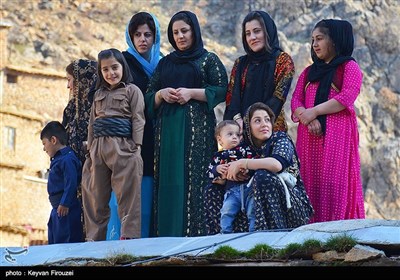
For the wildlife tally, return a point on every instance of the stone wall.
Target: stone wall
(30, 101)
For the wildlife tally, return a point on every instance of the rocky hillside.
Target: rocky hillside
(49, 34)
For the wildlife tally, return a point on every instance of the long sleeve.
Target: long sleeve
(232, 108)
(71, 181)
(137, 109)
(153, 87)
(351, 86)
(212, 167)
(298, 97)
(90, 126)
(216, 81)
(284, 72)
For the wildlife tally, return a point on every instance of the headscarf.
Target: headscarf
(256, 84)
(148, 67)
(273, 39)
(341, 33)
(77, 112)
(178, 69)
(247, 136)
(197, 48)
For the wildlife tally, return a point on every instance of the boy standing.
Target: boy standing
(64, 224)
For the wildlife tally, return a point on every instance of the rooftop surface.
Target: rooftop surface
(367, 232)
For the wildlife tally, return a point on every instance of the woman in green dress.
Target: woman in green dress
(185, 88)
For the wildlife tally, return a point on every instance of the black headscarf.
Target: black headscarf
(341, 34)
(258, 85)
(178, 69)
(197, 49)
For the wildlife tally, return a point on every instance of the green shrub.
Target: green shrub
(340, 243)
(290, 251)
(121, 259)
(261, 251)
(227, 252)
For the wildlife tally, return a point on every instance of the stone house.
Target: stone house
(29, 98)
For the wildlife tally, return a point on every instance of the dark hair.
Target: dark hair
(222, 124)
(185, 18)
(261, 106)
(109, 53)
(182, 16)
(56, 129)
(256, 16)
(70, 68)
(341, 34)
(248, 137)
(141, 18)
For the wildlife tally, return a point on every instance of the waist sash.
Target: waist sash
(112, 127)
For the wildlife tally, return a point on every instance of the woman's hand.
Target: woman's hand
(183, 95)
(237, 171)
(297, 113)
(314, 127)
(169, 95)
(307, 116)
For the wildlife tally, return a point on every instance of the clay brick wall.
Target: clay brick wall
(31, 100)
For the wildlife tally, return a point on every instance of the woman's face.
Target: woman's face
(323, 46)
(255, 36)
(143, 39)
(260, 127)
(183, 35)
(70, 82)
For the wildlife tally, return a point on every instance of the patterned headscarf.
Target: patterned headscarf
(248, 138)
(148, 66)
(77, 112)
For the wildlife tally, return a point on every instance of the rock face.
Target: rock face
(49, 34)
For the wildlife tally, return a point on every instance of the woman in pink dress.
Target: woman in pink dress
(327, 135)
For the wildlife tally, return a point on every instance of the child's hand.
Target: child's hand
(222, 169)
(84, 147)
(219, 181)
(62, 211)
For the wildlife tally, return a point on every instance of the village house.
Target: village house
(29, 98)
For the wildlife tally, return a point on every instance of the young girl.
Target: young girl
(114, 139)
(323, 104)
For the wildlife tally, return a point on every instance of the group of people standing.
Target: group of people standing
(146, 133)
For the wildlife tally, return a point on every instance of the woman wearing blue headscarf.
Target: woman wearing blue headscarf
(142, 36)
